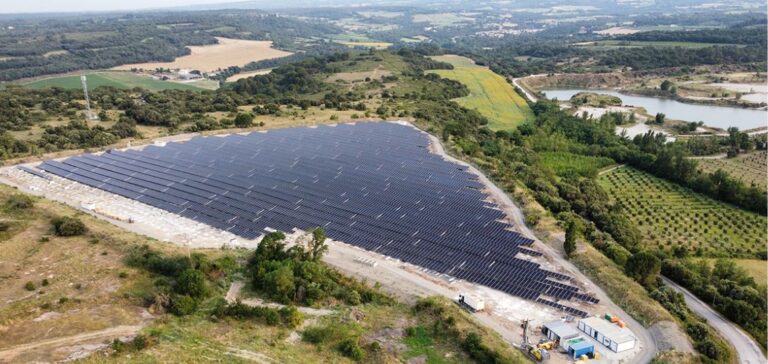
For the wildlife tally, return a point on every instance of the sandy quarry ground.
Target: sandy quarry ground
(228, 52)
(752, 92)
(504, 312)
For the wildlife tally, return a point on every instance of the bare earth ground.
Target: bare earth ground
(617, 31)
(504, 312)
(248, 74)
(228, 52)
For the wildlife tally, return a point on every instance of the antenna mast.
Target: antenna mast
(88, 113)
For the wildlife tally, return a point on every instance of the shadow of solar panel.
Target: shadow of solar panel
(373, 185)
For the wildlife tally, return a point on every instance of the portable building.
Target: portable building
(578, 346)
(611, 335)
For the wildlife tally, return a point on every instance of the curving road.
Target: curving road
(746, 349)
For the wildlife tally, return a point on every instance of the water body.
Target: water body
(716, 116)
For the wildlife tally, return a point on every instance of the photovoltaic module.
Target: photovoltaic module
(372, 185)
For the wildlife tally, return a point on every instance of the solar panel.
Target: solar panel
(373, 185)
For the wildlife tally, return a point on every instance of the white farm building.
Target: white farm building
(611, 335)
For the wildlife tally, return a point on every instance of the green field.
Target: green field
(564, 163)
(358, 40)
(669, 215)
(119, 80)
(490, 93)
(625, 43)
(750, 168)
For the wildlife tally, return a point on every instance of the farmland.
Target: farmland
(750, 168)
(564, 163)
(228, 52)
(669, 216)
(124, 80)
(490, 93)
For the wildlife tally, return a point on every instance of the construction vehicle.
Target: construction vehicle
(472, 303)
(538, 352)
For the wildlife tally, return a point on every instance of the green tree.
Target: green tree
(317, 245)
(660, 117)
(244, 120)
(644, 267)
(570, 238)
(280, 283)
(191, 282)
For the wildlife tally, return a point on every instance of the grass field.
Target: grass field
(358, 40)
(119, 80)
(755, 268)
(228, 52)
(669, 215)
(624, 43)
(564, 163)
(750, 168)
(490, 93)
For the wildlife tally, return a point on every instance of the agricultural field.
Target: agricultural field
(442, 19)
(669, 215)
(750, 168)
(124, 80)
(358, 40)
(228, 52)
(564, 163)
(490, 93)
(637, 44)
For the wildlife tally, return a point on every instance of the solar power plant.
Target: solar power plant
(373, 185)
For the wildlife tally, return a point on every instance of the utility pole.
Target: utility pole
(88, 113)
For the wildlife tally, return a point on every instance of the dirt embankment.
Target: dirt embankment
(580, 80)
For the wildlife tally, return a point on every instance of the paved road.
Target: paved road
(746, 348)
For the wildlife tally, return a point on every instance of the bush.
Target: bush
(19, 201)
(29, 286)
(68, 226)
(244, 120)
(351, 349)
(183, 305)
(315, 334)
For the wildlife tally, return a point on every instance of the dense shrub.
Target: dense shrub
(68, 226)
(19, 201)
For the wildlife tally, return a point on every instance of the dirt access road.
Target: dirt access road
(7, 355)
(746, 348)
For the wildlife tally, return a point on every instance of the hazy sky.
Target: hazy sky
(44, 6)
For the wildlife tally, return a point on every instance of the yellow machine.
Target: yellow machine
(547, 345)
(538, 352)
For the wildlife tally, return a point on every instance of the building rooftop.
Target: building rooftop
(562, 330)
(612, 331)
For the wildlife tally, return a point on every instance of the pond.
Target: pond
(715, 116)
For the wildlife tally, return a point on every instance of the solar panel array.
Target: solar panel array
(373, 185)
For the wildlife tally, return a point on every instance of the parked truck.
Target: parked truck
(472, 303)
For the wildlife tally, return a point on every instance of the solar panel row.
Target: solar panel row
(373, 185)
